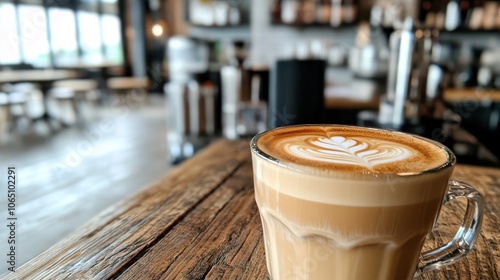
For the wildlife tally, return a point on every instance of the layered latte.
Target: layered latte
(341, 202)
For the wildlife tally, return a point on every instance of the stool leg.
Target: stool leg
(75, 104)
(4, 119)
(80, 105)
(116, 98)
(11, 120)
(24, 114)
(93, 102)
(138, 96)
(64, 105)
(131, 98)
(144, 95)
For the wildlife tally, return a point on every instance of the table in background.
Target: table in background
(36, 76)
(98, 70)
(201, 221)
(43, 77)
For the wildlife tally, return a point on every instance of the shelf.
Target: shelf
(470, 94)
(314, 25)
(213, 33)
(468, 30)
(241, 25)
(462, 29)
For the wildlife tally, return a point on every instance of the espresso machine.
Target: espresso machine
(413, 101)
(414, 95)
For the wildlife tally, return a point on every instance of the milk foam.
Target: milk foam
(349, 151)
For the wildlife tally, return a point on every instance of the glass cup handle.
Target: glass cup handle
(466, 235)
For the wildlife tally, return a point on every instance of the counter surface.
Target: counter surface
(201, 221)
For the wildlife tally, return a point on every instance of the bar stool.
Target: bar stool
(12, 109)
(84, 90)
(4, 112)
(34, 98)
(63, 105)
(133, 89)
(75, 93)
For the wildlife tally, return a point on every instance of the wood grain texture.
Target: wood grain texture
(220, 239)
(201, 222)
(483, 262)
(120, 234)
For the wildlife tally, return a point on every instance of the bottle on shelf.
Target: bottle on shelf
(440, 16)
(336, 13)
(276, 11)
(476, 14)
(349, 10)
(201, 13)
(465, 7)
(234, 16)
(498, 17)
(434, 14)
(452, 16)
(323, 11)
(221, 13)
(490, 15)
(425, 9)
(289, 11)
(307, 11)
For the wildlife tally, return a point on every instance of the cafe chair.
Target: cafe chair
(72, 98)
(4, 112)
(34, 103)
(129, 90)
(62, 105)
(12, 110)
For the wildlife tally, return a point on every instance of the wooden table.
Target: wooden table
(201, 221)
(98, 70)
(36, 75)
(469, 94)
(43, 77)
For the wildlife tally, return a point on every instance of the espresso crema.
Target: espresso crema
(344, 148)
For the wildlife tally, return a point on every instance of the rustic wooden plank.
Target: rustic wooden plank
(202, 222)
(220, 239)
(119, 234)
(483, 262)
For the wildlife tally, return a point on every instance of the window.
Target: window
(90, 35)
(63, 32)
(9, 35)
(44, 33)
(111, 38)
(34, 40)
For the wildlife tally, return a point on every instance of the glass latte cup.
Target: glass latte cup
(343, 202)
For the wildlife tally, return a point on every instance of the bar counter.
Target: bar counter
(201, 221)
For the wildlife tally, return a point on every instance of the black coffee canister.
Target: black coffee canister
(296, 94)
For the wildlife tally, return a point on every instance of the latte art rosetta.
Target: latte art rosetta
(349, 151)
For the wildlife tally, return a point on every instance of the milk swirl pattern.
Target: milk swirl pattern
(350, 151)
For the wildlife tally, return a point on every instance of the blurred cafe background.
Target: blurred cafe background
(99, 98)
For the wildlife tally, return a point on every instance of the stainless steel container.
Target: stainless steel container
(243, 113)
(191, 118)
